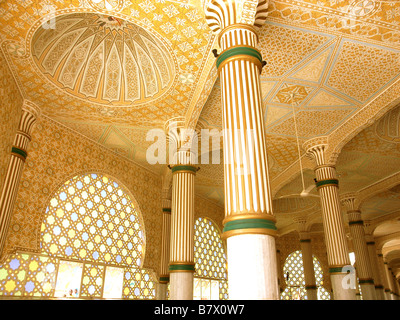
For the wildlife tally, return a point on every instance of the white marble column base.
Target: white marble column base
(181, 285)
(341, 290)
(368, 291)
(380, 294)
(161, 292)
(312, 294)
(252, 269)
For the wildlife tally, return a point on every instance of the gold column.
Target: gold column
(308, 262)
(15, 167)
(364, 268)
(183, 169)
(382, 274)
(373, 258)
(335, 237)
(165, 248)
(249, 224)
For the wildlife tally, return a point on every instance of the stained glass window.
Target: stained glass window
(210, 262)
(92, 218)
(294, 276)
(92, 246)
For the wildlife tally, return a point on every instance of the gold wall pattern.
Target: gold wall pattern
(10, 113)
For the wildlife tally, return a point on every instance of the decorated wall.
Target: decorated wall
(10, 111)
(56, 154)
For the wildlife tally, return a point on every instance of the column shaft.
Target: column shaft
(373, 258)
(14, 171)
(249, 225)
(382, 274)
(364, 269)
(308, 265)
(389, 280)
(335, 238)
(165, 250)
(181, 266)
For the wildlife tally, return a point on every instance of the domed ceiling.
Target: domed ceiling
(104, 59)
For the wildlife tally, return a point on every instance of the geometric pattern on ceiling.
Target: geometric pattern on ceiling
(366, 19)
(103, 59)
(367, 157)
(358, 63)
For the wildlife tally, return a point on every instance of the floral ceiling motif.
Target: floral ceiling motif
(103, 59)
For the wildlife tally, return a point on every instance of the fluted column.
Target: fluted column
(249, 224)
(335, 238)
(15, 167)
(165, 249)
(181, 265)
(395, 286)
(308, 262)
(364, 269)
(373, 257)
(389, 279)
(382, 274)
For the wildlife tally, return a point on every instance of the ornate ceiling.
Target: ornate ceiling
(112, 69)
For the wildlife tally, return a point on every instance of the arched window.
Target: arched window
(294, 276)
(210, 279)
(92, 246)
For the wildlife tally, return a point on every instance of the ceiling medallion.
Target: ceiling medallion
(103, 59)
(362, 8)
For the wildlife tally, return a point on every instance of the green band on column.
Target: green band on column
(327, 182)
(311, 287)
(305, 240)
(164, 279)
(370, 243)
(19, 152)
(183, 168)
(338, 270)
(238, 51)
(181, 267)
(360, 222)
(249, 224)
(366, 281)
(166, 210)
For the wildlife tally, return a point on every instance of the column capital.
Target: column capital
(220, 14)
(30, 113)
(369, 229)
(350, 202)
(32, 108)
(301, 224)
(182, 142)
(316, 149)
